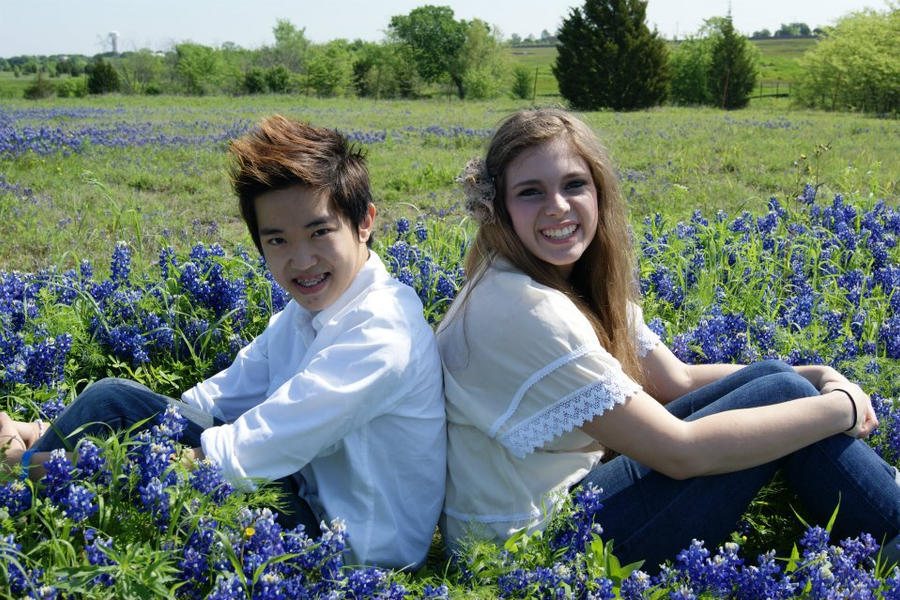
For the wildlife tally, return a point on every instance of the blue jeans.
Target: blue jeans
(652, 517)
(112, 405)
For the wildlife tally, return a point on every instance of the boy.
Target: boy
(339, 399)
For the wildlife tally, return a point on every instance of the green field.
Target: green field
(122, 185)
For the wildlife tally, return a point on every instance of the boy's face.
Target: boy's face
(313, 252)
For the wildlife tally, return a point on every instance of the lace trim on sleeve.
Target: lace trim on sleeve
(570, 412)
(646, 340)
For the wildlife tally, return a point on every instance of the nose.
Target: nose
(557, 204)
(302, 257)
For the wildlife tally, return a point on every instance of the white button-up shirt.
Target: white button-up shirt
(350, 397)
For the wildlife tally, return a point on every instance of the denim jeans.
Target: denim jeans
(652, 517)
(112, 405)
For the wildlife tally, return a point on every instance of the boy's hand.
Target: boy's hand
(11, 443)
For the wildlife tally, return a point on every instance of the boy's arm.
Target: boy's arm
(237, 388)
(358, 377)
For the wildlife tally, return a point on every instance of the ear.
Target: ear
(365, 228)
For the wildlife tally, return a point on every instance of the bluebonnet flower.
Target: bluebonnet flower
(98, 550)
(421, 231)
(440, 592)
(78, 503)
(581, 527)
(207, 478)
(402, 226)
(15, 497)
(228, 587)
(58, 476)
(889, 336)
(120, 265)
(155, 500)
(635, 586)
(170, 424)
(91, 462)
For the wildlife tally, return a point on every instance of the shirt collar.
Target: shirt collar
(372, 271)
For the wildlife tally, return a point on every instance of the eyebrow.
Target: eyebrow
(314, 223)
(538, 181)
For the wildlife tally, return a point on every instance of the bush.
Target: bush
(690, 72)
(278, 79)
(102, 78)
(255, 81)
(73, 87)
(717, 68)
(523, 83)
(856, 66)
(41, 88)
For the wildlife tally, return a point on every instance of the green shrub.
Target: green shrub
(523, 82)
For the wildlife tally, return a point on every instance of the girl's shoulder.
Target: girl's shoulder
(506, 302)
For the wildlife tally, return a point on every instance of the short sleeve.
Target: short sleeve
(533, 368)
(644, 338)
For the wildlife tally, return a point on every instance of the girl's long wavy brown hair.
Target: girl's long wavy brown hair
(602, 280)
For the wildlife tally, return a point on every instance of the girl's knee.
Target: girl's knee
(790, 385)
(771, 367)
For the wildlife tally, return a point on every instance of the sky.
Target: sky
(46, 27)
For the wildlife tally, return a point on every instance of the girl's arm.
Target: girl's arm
(667, 378)
(644, 430)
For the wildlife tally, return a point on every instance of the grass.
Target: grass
(126, 185)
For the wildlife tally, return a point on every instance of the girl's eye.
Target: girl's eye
(275, 241)
(576, 184)
(526, 192)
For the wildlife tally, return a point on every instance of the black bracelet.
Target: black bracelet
(853, 402)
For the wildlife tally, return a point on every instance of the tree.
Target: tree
(761, 34)
(856, 66)
(102, 78)
(139, 70)
(607, 57)
(435, 41)
(523, 82)
(290, 47)
(382, 70)
(330, 68)
(198, 68)
(690, 71)
(732, 67)
(483, 62)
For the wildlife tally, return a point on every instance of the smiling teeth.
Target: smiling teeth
(311, 282)
(560, 233)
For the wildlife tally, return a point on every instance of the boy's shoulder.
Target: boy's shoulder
(381, 298)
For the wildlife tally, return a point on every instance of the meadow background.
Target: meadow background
(764, 232)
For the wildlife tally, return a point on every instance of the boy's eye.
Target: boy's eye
(321, 232)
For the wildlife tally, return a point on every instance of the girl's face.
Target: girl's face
(552, 201)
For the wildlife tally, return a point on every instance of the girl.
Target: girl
(549, 371)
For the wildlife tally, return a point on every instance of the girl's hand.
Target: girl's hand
(822, 375)
(866, 421)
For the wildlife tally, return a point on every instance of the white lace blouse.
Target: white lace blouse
(523, 371)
